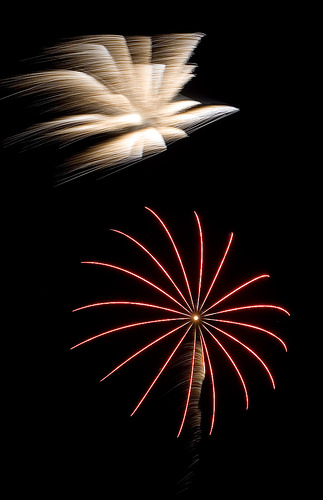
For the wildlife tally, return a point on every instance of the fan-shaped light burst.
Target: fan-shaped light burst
(122, 91)
(191, 324)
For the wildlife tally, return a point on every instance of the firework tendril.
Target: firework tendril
(111, 100)
(192, 323)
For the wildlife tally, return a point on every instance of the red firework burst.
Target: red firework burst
(189, 315)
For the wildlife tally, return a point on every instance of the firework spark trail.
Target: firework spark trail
(176, 251)
(124, 327)
(233, 364)
(235, 290)
(123, 91)
(195, 316)
(190, 384)
(246, 347)
(161, 371)
(123, 303)
(254, 327)
(127, 271)
(218, 270)
(212, 379)
(191, 361)
(142, 350)
(201, 261)
(156, 261)
(254, 306)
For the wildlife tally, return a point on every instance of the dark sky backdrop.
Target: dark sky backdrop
(239, 174)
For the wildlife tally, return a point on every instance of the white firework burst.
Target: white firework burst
(121, 91)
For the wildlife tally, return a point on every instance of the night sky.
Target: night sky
(70, 434)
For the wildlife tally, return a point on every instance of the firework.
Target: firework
(120, 92)
(194, 324)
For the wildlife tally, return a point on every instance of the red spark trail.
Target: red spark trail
(234, 365)
(255, 306)
(155, 260)
(251, 326)
(135, 276)
(203, 355)
(201, 260)
(161, 370)
(188, 316)
(143, 304)
(248, 348)
(176, 251)
(142, 350)
(124, 328)
(212, 380)
(236, 290)
(190, 385)
(218, 270)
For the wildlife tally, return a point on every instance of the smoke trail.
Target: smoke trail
(192, 430)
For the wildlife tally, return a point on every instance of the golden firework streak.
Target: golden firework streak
(120, 93)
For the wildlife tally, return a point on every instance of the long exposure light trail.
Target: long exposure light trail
(116, 99)
(141, 350)
(190, 384)
(203, 336)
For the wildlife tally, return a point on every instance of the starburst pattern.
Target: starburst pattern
(193, 319)
(121, 91)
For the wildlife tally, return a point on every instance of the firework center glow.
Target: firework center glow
(196, 317)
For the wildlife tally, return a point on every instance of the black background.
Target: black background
(68, 433)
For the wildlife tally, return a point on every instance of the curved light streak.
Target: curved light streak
(196, 315)
(120, 93)
(190, 385)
